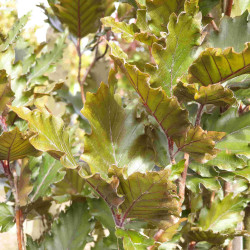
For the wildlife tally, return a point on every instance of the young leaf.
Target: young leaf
(69, 232)
(223, 215)
(6, 217)
(46, 63)
(15, 145)
(133, 240)
(215, 65)
(121, 142)
(233, 32)
(167, 111)
(127, 30)
(150, 197)
(81, 16)
(14, 32)
(200, 144)
(50, 135)
(160, 12)
(174, 60)
(6, 93)
(49, 173)
(214, 94)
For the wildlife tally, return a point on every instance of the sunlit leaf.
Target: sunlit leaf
(167, 111)
(200, 144)
(214, 94)
(117, 135)
(215, 65)
(127, 30)
(50, 135)
(174, 59)
(46, 63)
(149, 197)
(223, 215)
(6, 217)
(14, 32)
(15, 145)
(160, 12)
(133, 240)
(6, 93)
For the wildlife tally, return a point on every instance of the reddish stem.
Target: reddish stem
(229, 7)
(182, 182)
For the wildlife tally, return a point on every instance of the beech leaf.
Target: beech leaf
(215, 65)
(223, 215)
(15, 145)
(214, 94)
(46, 63)
(167, 111)
(160, 12)
(233, 32)
(81, 16)
(14, 32)
(6, 217)
(174, 59)
(49, 173)
(6, 93)
(149, 197)
(50, 135)
(117, 135)
(69, 232)
(133, 240)
(199, 144)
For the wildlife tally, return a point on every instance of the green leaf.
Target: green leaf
(15, 145)
(121, 141)
(235, 125)
(233, 32)
(49, 173)
(133, 240)
(70, 232)
(223, 215)
(200, 144)
(176, 170)
(193, 183)
(160, 12)
(81, 16)
(6, 217)
(6, 93)
(215, 65)
(174, 59)
(14, 32)
(50, 135)
(46, 63)
(149, 197)
(214, 94)
(127, 30)
(167, 111)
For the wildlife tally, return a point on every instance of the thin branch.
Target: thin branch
(229, 7)
(79, 53)
(182, 181)
(170, 149)
(215, 27)
(199, 114)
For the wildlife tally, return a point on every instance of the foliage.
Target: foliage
(156, 155)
